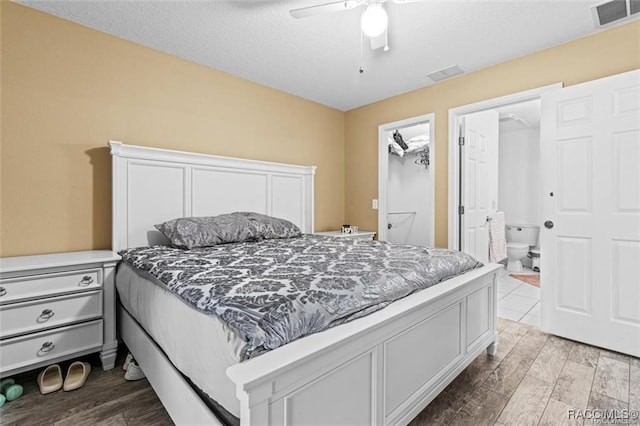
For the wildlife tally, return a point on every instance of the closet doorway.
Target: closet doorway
(406, 172)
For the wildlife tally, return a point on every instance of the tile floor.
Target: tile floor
(518, 301)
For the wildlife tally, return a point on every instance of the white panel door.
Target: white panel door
(479, 180)
(590, 263)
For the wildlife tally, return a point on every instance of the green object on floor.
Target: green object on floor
(4, 384)
(13, 392)
(2, 400)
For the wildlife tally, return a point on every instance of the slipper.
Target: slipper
(76, 375)
(13, 392)
(50, 379)
(5, 383)
(9, 391)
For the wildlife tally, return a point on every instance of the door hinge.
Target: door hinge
(461, 210)
(461, 140)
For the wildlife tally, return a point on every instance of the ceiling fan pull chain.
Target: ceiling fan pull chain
(361, 70)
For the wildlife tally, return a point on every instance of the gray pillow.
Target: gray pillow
(272, 227)
(192, 232)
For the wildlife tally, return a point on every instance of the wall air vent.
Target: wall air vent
(613, 11)
(445, 73)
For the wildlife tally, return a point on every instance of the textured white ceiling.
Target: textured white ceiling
(318, 57)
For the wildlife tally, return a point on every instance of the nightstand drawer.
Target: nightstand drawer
(28, 317)
(39, 286)
(39, 347)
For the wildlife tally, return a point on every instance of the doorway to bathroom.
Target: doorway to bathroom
(494, 182)
(590, 209)
(406, 181)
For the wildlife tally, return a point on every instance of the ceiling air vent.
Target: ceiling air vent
(445, 73)
(614, 10)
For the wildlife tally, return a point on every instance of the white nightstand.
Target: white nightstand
(55, 307)
(365, 235)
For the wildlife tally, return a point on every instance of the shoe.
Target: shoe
(50, 379)
(5, 383)
(13, 392)
(9, 391)
(127, 360)
(134, 372)
(76, 375)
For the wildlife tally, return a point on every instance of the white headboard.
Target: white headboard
(152, 185)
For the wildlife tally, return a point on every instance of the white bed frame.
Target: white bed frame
(381, 369)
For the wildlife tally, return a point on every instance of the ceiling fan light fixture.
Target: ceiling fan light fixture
(374, 20)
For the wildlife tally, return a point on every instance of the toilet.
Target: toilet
(520, 240)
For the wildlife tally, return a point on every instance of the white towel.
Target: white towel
(497, 238)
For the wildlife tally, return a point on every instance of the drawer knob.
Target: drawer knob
(46, 347)
(3, 291)
(85, 281)
(45, 315)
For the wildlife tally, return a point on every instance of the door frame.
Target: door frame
(383, 171)
(455, 121)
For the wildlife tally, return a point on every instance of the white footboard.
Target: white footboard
(380, 369)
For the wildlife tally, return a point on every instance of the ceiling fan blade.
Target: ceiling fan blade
(325, 8)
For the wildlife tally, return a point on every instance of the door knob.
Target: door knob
(548, 224)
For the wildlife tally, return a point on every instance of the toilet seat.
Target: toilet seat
(535, 251)
(518, 246)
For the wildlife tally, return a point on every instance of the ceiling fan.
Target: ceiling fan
(374, 19)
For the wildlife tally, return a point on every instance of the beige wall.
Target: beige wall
(603, 54)
(68, 89)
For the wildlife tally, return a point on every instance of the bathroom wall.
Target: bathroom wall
(408, 191)
(519, 173)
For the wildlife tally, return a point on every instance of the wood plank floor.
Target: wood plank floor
(534, 379)
(105, 399)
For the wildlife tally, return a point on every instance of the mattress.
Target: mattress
(201, 346)
(274, 291)
(210, 308)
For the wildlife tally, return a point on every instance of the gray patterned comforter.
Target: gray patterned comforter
(272, 292)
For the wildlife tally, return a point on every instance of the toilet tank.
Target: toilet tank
(526, 234)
